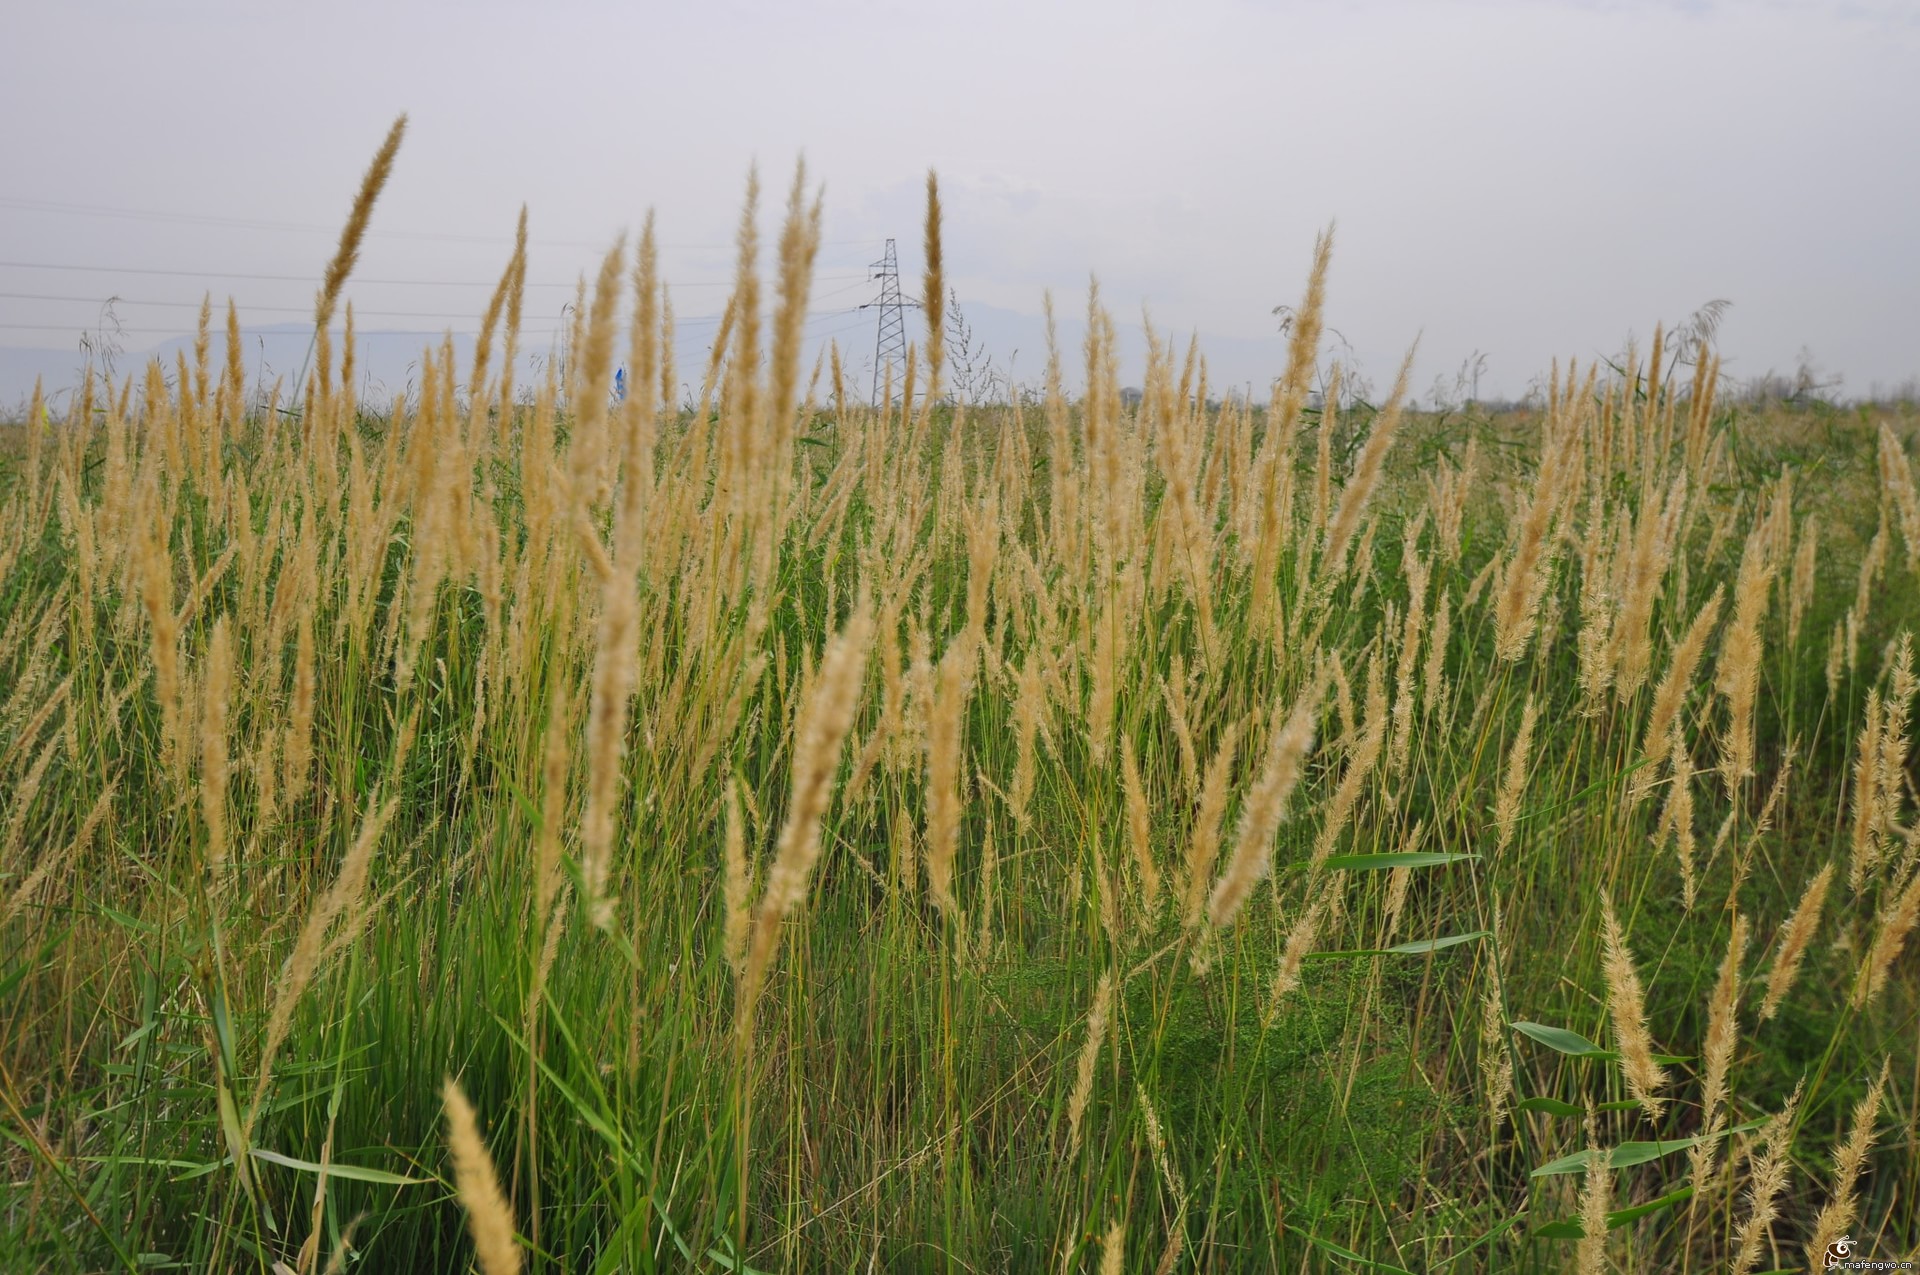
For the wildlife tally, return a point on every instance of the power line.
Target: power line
(819, 316)
(292, 309)
(310, 279)
(821, 336)
(858, 280)
(373, 314)
(195, 305)
(177, 331)
(835, 314)
(249, 223)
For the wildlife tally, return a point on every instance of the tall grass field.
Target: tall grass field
(745, 829)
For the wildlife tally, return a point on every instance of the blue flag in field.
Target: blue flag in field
(620, 386)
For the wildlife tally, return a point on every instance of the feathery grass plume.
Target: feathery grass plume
(1523, 577)
(1495, 567)
(1896, 478)
(348, 253)
(1342, 702)
(1413, 628)
(946, 719)
(343, 401)
(233, 380)
(553, 792)
(1107, 886)
(1363, 756)
(1795, 936)
(337, 1263)
(1737, 673)
(1176, 1243)
(1767, 1176)
(1323, 457)
(591, 384)
(716, 359)
(554, 924)
(891, 728)
(1366, 470)
(1646, 567)
(1801, 584)
(1867, 816)
(36, 429)
(1889, 937)
(489, 1216)
(1591, 1256)
(1677, 816)
(1496, 1058)
(1106, 659)
(483, 344)
(1203, 841)
(1063, 506)
(739, 885)
(1894, 742)
(25, 734)
(1672, 691)
(1113, 1248)
(1089, 1056)
(670, 395)
(826, 715)
(1626, 1004)
(343, 895)
(989, 864)
(1173, 693)
(1190, 533)
(983, 552)
(23, 795)
(1880, 772)
(878, 740)
(1138, 824)
(1157, 1142)
(1723, 1032)
(429, 466)
(1694, 404)
(614, 675)
(1433, 677)
(39, 648)
(1398, 882)
(1303, 352)
(1506, 806)
(54, 859)
(799, 244)
(1763, 822)
(1447, 497)
(934, 290)
(917, 685)
(1848, 1159)
(1872, 564)
(740, 406)
(156, 595)
(1100, 424)
(1300, 940)
(297, 751)
(516, 281)
(213, 743)
(567, 373)
(1265, 806)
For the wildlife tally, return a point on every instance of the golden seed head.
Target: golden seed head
(489, 1216)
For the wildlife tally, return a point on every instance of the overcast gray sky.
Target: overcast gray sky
(1523, 179)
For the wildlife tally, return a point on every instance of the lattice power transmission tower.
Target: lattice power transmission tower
(890, 344)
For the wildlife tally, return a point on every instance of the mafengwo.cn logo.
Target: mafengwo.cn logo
(1840, 1256)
